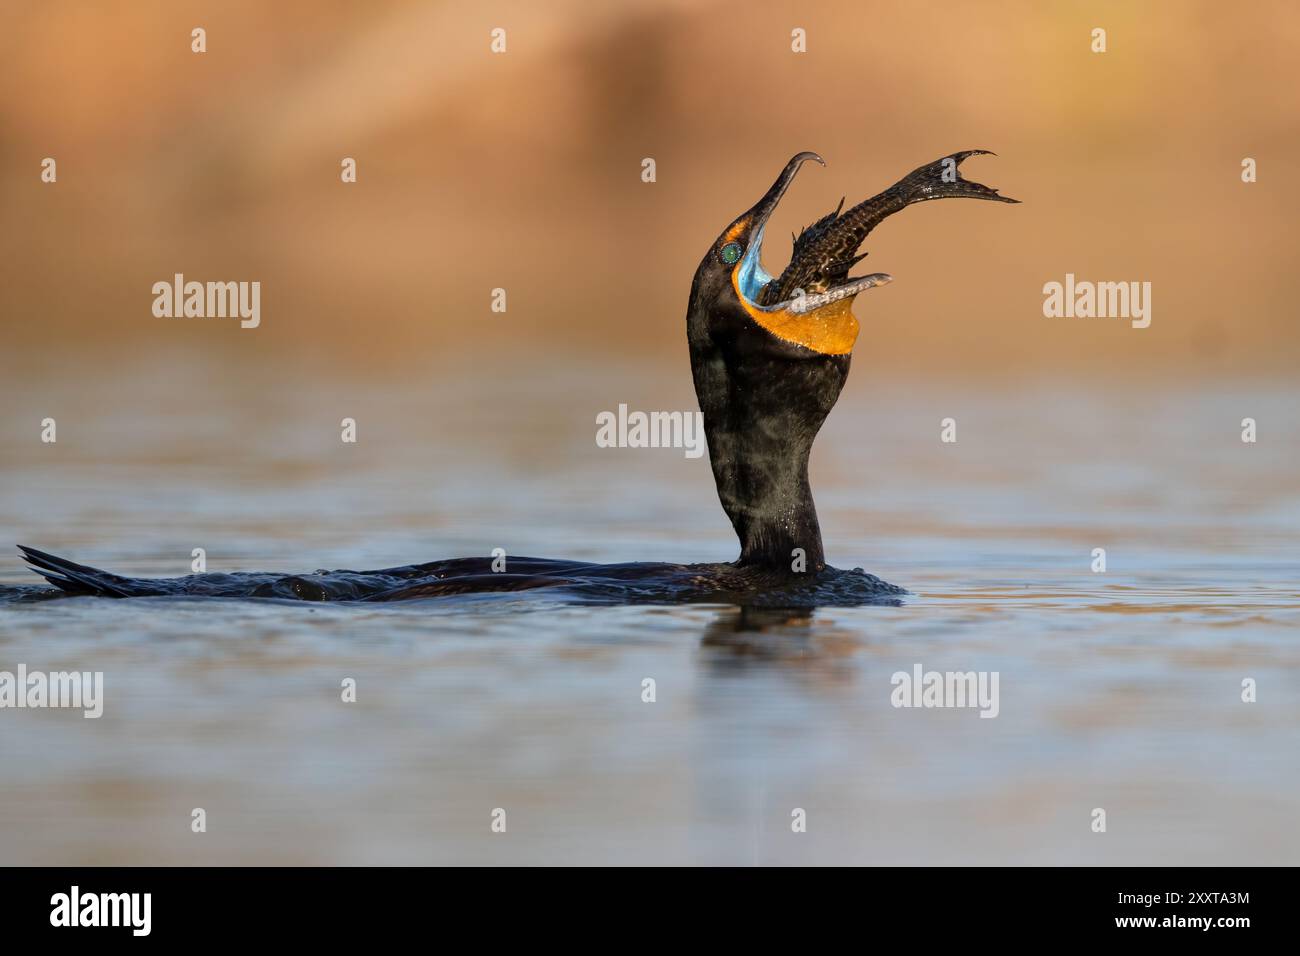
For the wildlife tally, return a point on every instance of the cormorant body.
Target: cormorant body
(769, 357)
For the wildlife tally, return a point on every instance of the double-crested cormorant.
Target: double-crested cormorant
(769, 357)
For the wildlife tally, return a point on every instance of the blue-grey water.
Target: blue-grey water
(1119, 690)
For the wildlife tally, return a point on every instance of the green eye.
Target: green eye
(731, 253)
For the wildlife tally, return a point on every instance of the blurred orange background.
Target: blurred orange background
(522, 170)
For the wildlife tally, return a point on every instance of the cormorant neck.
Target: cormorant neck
(763, 487)
(762, 412)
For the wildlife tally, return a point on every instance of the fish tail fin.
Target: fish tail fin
(942, 179)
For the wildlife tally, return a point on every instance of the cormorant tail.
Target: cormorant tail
(78, 578)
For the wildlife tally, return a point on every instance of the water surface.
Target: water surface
(1119, 690)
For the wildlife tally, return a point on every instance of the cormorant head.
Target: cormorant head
(731, 280)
